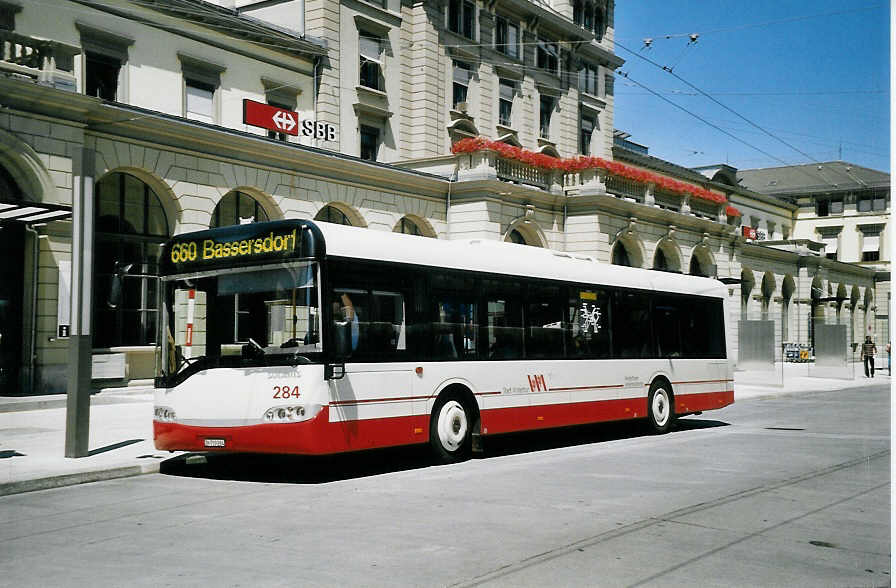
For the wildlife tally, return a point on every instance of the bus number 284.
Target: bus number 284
(286, 391)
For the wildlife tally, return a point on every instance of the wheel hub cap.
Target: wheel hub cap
(452, 425)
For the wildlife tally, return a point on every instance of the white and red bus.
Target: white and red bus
(310, 338)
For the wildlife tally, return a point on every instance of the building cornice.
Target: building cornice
(677, 171)
(163, 130)
(221, 20)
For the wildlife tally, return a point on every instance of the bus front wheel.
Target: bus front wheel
(450, 429)
(660, 409)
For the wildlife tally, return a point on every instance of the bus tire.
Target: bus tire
(451, 429)
(660, 406)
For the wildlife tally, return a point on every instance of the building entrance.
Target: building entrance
(12, 243)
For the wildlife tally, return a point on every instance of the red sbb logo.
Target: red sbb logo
(286, 121)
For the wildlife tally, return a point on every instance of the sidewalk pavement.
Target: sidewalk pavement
(32, 429)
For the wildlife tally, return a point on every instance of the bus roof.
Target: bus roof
(496, 257)
(302, 239)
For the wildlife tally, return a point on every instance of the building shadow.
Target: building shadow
(292, 469)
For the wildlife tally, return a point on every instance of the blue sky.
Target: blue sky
(813, 76)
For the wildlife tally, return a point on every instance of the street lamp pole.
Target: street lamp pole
(77, 417)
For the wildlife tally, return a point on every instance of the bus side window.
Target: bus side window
(544, 322)
(589, 315)
(454, 329)
(631, 325)
(703, 333)
(387, 329)
(503, 332)
(667, 316)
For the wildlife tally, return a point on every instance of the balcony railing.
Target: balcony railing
(41, 60)
(511, 170)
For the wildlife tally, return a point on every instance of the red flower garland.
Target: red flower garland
(731, 211)
(577, 164)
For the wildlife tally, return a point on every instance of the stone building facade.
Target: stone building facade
(134, 115)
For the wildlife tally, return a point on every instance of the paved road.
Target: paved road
(792, 490)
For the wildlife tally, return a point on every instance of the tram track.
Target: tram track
(511, 569)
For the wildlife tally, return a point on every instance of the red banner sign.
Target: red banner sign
(270, 117)
(749, 232)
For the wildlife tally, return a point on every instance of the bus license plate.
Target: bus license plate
(214, 442)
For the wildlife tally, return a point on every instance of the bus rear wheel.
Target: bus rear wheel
(660, 409)
(451, 429)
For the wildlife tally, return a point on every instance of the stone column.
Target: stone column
(593, 181)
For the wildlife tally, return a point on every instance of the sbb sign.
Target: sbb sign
(281, 120)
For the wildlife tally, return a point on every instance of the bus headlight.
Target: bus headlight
(284, 414)
(164, 414)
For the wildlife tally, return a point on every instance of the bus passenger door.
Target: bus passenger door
(375, 399)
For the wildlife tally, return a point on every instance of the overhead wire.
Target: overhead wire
(653, 38)
(261, 27)
(700, 118)
(716, 101)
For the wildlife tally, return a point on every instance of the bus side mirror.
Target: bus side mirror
(334, 371)
(342, 339)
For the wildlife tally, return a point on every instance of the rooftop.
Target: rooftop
(831, 176)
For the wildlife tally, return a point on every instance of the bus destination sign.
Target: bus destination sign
(241, 244)
(204, 250)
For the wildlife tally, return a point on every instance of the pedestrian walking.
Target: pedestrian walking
(868, 351)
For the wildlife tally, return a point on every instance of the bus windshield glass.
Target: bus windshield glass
(244, 317)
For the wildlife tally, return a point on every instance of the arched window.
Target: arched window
(9, 189)
(237, 208)
(130, 228)
(659, 261)
(516, 237)
(696, 268)
(620, 255)
(331, 214)
(409, 227)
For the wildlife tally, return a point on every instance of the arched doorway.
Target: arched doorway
(768, 290)
(747, 282)
(701, 262)
(620, 255)
(817, 313)
(524, 232)
(788, 287)
(666, 258)
(12, 278)
(131, 226)
(626, 251)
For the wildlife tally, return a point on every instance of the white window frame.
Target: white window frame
(196, 74)
(110, 45)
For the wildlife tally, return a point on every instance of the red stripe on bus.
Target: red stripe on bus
(393, 399)
(586, 388)
(369, 400)
(319, 436)
(699, 382)
(703, 401)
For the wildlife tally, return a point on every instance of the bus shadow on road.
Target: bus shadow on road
(533, 441)
(290, 469)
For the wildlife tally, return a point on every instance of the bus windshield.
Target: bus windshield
(242, 317)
